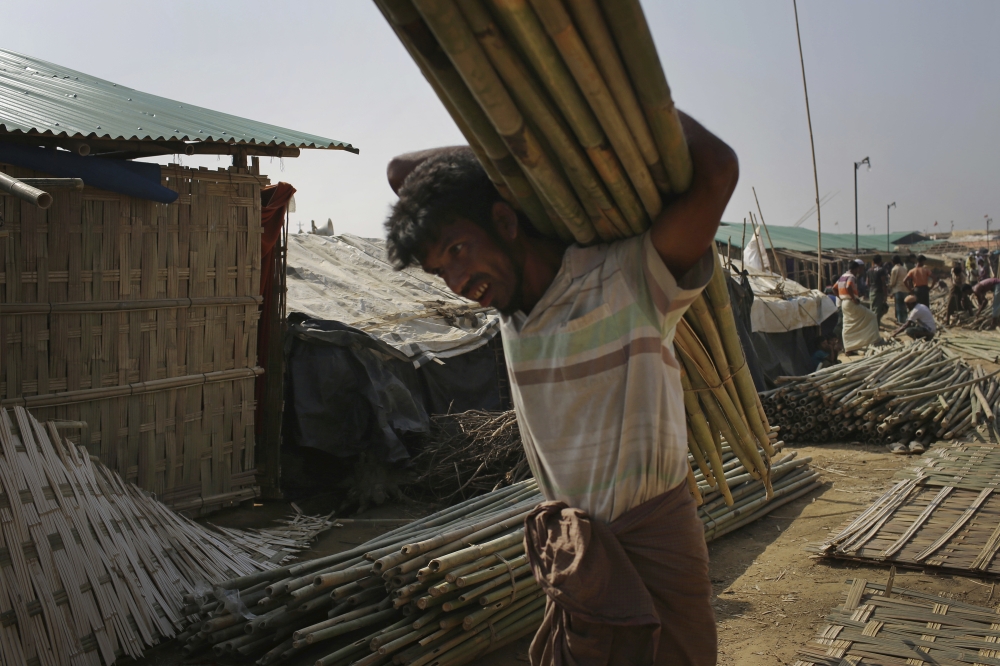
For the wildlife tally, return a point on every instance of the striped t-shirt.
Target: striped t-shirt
(594, 380)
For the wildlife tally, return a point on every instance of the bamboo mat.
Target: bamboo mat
(92, 568)
(903, 627)
(944, 513)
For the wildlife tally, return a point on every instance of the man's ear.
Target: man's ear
(505, 220)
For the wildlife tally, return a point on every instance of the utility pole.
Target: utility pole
(857, 165)
(892, 205)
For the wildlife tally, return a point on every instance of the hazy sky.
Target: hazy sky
(914, 85)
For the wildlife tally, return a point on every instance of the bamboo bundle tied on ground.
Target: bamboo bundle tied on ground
(921, 392)
(446, 588)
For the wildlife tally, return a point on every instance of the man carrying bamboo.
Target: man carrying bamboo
(588, 336)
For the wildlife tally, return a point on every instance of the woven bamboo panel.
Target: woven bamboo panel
(901, 627)
(140, 319)
(944, 514)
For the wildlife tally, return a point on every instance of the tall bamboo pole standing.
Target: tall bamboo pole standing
(774, 251)
(812, 145)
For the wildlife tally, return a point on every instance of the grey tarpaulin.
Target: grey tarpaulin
(347, 392)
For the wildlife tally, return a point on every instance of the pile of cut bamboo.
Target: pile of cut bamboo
(564, 103)
(441, 590)
(91, 568)
(920, 392)
(882, 624)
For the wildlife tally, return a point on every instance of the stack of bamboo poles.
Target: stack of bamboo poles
(920, 392)
(882, 624)
(441, 590)
(91, 568)
(564, 103)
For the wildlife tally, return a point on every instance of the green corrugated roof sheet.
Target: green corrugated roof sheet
(38, 97)
(804, 240)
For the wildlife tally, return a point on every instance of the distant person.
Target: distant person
(919, 323)
(958, 298)
(897, 287)
(860, 326)
(826, 352)
(984, 287)
(878, 283)
(972, 268)
(911, 262)
(919, 281)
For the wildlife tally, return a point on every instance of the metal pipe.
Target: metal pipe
(24, 191)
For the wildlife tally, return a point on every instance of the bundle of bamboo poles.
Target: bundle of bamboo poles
(920, 392)
(92, 568)
(563, 101)
(567, 107)
(720, 399)
(444, 589)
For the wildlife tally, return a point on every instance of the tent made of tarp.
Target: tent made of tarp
(349, 279)
(373, 352)
(804, 240)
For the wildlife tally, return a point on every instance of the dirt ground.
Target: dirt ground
(770, 594)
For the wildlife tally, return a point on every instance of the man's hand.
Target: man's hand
(686, 227)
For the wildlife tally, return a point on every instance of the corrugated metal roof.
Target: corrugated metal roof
(804, 240)
(38, 97)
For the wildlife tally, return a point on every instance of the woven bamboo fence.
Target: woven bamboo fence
(140, 319)
(943, 514)
(894, 627)
(91, 567)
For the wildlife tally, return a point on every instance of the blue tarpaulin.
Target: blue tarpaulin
(135, 179)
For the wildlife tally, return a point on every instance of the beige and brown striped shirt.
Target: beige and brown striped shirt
(594, 380)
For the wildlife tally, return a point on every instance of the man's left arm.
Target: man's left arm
(686, 227)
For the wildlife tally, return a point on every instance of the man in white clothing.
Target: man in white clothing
(919, 324)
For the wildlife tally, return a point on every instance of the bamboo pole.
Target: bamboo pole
(465, 53)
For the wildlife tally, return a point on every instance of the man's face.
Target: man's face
(475, 264)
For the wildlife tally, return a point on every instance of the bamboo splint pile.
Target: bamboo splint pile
(894, 626)
(91, 568)
(945, 514)
(564, 103)
(920, 392)
(444, 589)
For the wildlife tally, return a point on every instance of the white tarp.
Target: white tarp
(755, 254)
(781, 305)
(348, 279)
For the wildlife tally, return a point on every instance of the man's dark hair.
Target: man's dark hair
(877, 259)
(912, 256)
(446, 186)
(921, 258)
(896, 259)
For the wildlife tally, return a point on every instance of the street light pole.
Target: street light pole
(892, 205)
(856, 166)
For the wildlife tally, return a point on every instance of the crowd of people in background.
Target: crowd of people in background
(907, 282)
